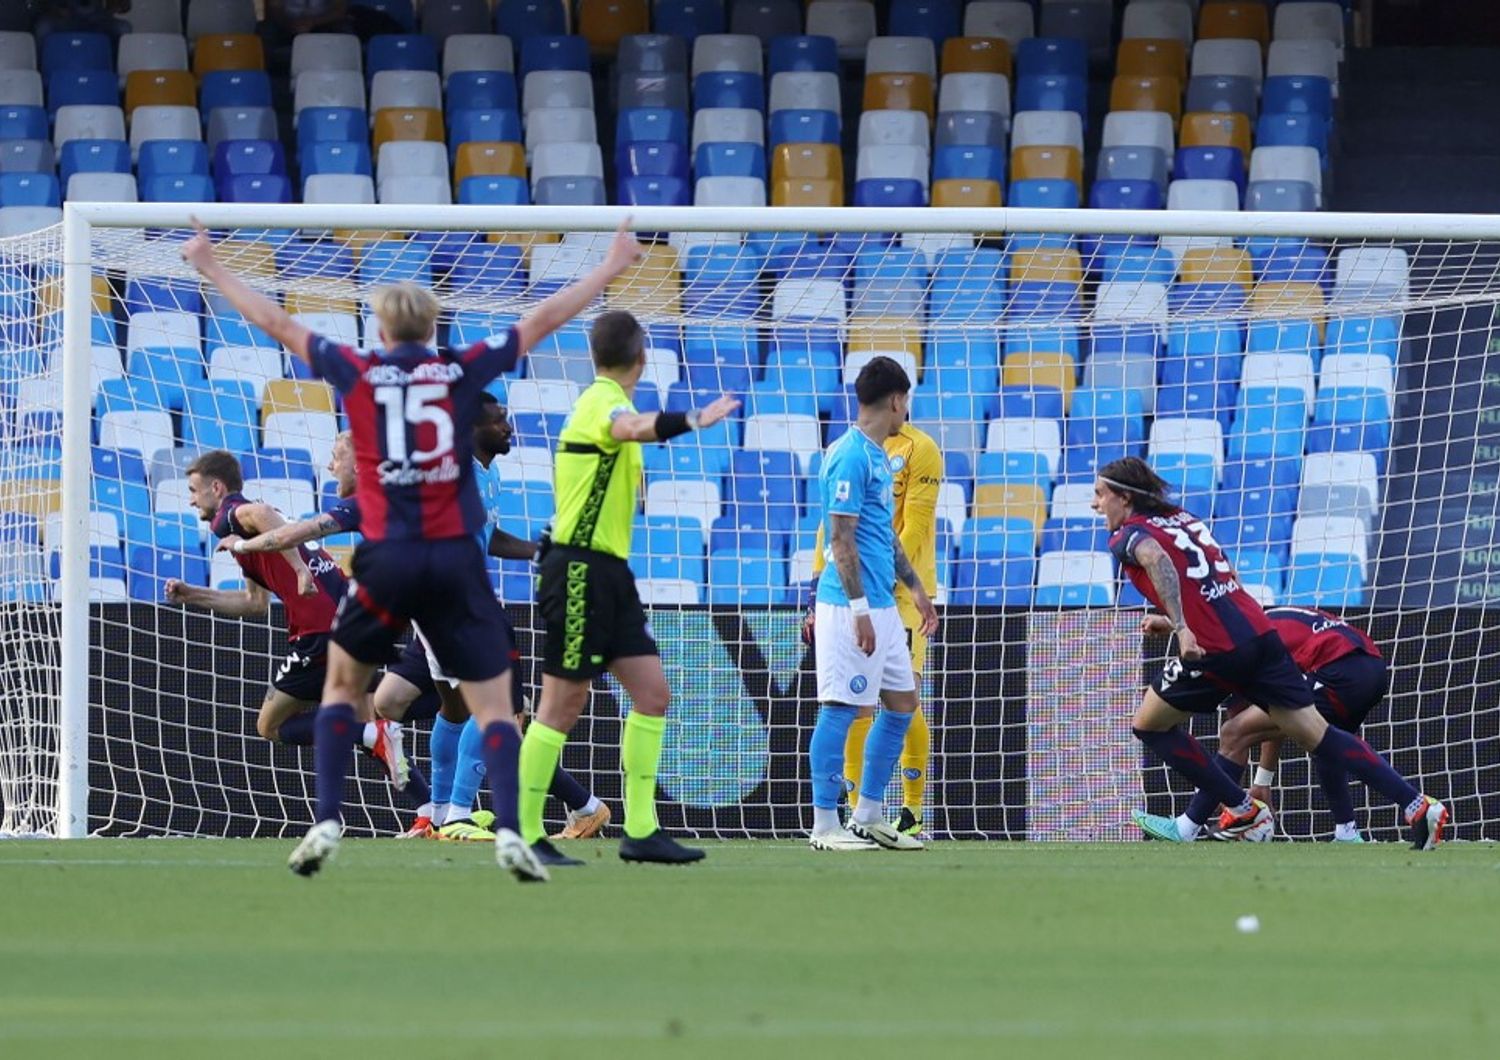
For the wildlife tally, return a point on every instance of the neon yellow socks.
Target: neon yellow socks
(914, 756)
(540, 752)
(640, 755)
(854, 755)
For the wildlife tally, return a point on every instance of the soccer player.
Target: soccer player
(1225, 645)
(309, 584)
(859, 643)
(1349, 678)
(586, 593)
(457, 764)
(411, 410)
(916, 476)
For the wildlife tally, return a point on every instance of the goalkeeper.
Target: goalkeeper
(916, 475)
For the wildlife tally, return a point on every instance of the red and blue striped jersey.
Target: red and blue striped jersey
(346, 514)
(411, 413)
(305, 615)
(1221, 614)
(1315, 638)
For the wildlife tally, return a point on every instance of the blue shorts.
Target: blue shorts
(441, 585)
(301, 673)
(1260, 671)
(1347, 689)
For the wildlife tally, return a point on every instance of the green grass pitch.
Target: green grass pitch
(188, 948)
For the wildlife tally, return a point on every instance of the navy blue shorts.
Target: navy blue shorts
(1261, 671)
(411, 666)
(301, 673)
(1347, 689)
(442, 586)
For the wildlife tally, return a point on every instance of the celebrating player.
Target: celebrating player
(858, 642)
(1225, 645)
(916, 476)
(586, 593)
(457, 762)
(310, 586)
(1349, 679)
(411, 411)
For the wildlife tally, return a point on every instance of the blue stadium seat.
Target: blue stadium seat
(989, 538)
(1053, 92)
(29, 189)
(801, 53)
(118, 465)
(1203, 353)
(553, 51)
(655, 191)
(174, 374)
(727, 159)
(1268, 422)
(104, 562)
(178, 532)
(1298, 94)
(720, 280)
(1353, 405)
(63, 50)
(1074, 535)
(280, 463)
(256, 188)
(1256, 566)
(92, 156)
(1377, 335)
(1203, 400)
(337, 156)
(650, 124)
(765, 476)
(958, 162)
(128, 395)
(519, 19)
(1292, 130)
(1284, 336)
(1191, 476)
(1036, 302)
(799, 127)
(745, 578)
(882, 192)
(1051, 57)
(234, 158)
(324, 124)
(399, 11)
(1326, 581)
(1284, 195)
(147, 294)
(1125, 195)
(968, 284)
(82, 88)
(680, 461)
(1043, 194)
(1210, 163)
(481, 90)
(1202, 299)
(316, 257)
(484, 126)
(935, 19)
(721, 357)
(729, 88)
(1027, 467)
(665, 547)
(173, 158)
(1027, 402)
(24, 123)
(194, 187)
(130, 500)
(992, 581)
(494, 191)
(715, 443)
(1107, 417)
(569, 191)
(400, 51)
(1090, 595)
(234, 88)
(497, 267)
(688, 19)
(1276, 260)
(150, 568)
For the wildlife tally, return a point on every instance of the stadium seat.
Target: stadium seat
(1053, 92)
(794, 52)
(407, 124)
(207, 17)
(29, 189)
(442, 19)
(1008, 20)
(519, 19)
(221, 52)
(1299, 94)
(1075, 579)
(328, 88)
(1157, 94)
(977, 55)
(504, 126)
(725, 52)
(72, 123)
(17, 50)
(481, 90)
(1217, 130)
(1052, 56)
(899, 54)
(805, 90)
(1151, 57)
(1139, 129)
(241, 123)
(313, 52)
(27, 156)
(935, 19)
(76, 51)
(1233, 95)
(1231, 57)
(1312, 57)
(102, 187)
(851, 23)
(973, 92)
(89, 88)
(1235, 21)
(1046, 163)
(400, 51)
(405, 90)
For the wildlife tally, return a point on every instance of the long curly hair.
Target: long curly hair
(1133, 478)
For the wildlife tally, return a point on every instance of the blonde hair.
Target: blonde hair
(407, 313)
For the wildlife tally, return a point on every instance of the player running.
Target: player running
(858, 642)
(411, 411)
(1349, 678)
(586, 592)
(309, 584)
(1225, 645)
(916, 476)
(457, 762)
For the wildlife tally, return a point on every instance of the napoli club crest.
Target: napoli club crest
(858, 684)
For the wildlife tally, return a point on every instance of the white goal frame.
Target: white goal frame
(81, 219)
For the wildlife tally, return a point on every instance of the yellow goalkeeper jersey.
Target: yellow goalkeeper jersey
(916, 474)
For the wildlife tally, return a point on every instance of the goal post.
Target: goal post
(1029, 700)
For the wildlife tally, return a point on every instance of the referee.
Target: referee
(586, 593)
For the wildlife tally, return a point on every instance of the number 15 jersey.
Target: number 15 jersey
(1221, 614)
(411, 413)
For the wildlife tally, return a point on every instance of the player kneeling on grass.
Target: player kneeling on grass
(859, 642)
(1225, 646)
(1349, 679)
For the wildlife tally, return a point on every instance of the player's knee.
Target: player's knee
(654, 700)
(267, 726)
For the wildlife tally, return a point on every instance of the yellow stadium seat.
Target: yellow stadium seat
(1216, 265)
(160, 88)
(603, 22)
(1054, 370)
(1011, 500)
(899, 92)
(50, 295)
(311, 302)
(1046, 163)
(488, 159)
(35, 497)
(343, 555)
(976, 55)
(807, 193)
(253, 259)
(296, 395)
(1216, 129)
(1289, 298)
(1239, 21)
(1147, 93)
(1152, 57)
(408, 123)
(228, 51)
(650, 286)
(886, 334)
(954, 192)
(1046, 265)
(807, 162)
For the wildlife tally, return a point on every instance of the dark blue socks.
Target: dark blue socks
(297, 731)
(1334, 780)
(1181, 752)
(1203, 803)
(336, 732)
(1342, 750)
(502, 759)
(566, 787)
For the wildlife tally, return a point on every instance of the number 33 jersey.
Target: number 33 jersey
(411, 413)
(1215, 606)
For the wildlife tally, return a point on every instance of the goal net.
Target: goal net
(1319, 388)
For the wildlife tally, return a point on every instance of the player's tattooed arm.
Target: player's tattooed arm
(260, 518)
(288, 535)
(509, 546)
(846, 555)
(1159, 568)
(907, 575)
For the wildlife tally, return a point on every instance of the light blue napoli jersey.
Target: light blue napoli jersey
(856, 480)
(488, 481)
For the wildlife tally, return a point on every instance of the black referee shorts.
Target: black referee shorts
(591, 613)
